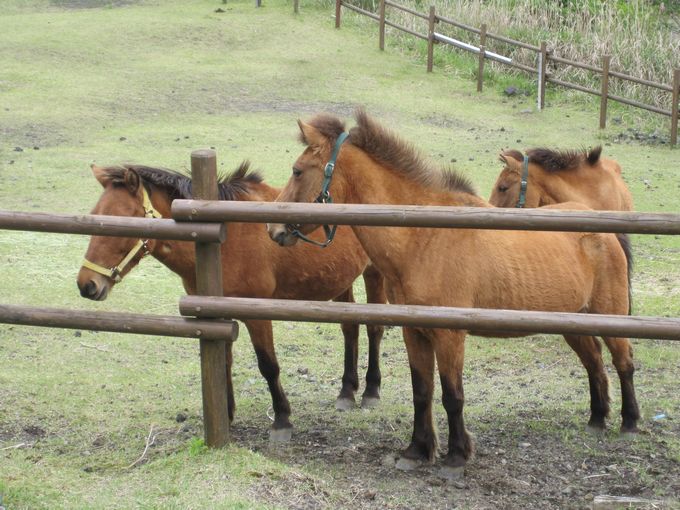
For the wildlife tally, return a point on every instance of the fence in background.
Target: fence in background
(543, 58)
(215, 336)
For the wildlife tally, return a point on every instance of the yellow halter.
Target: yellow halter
(115, 272)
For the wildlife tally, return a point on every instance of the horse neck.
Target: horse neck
(366, 182)
(550, 188)
(178, 256)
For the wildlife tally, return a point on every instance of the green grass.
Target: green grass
(148, 82)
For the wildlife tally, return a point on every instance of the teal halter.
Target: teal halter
(323, 198)
(523, 185)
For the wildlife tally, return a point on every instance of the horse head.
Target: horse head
(109, 259)
(507, 190)
(311, 179)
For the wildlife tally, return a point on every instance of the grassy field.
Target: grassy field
(147, 82)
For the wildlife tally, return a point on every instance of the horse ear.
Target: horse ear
(311, 136)
(512, 154)
(132, 181)
(100, 174)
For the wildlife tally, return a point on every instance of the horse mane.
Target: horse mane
(178, 185)
(559, 161)
(387, 148)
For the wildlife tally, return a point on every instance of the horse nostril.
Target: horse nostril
(88, 290)
(280, 238)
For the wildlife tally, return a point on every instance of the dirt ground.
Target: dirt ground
(537, 473)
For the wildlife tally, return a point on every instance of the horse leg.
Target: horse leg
(449, 347)
(231, 402)
(622, 358)
(589, 351)
(423, 445)
(262, 337)
(350, 376)
(375, 293)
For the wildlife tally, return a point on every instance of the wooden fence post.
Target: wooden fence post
(674, 107)
(296, 6)
(381, 12)
(338, 5)
(542, 73)
(214, 376)
(605, 91)
(482, 56)
(430, 39)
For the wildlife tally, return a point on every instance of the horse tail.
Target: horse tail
(624, 241)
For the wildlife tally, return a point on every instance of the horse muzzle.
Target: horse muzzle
(96, 289)
(281, 235)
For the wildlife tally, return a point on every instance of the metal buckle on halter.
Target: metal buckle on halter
(523, 184)
(115, 274)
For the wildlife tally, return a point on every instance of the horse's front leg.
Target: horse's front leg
(449, 347)
(423, 445)
(350, 376)
(375, 293)
(262, 337)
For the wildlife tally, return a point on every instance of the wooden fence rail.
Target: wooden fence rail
(543, 57)
(117, 226)
(428, 216)
(472, 319)
(162, 325)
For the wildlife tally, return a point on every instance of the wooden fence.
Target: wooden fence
(544, 57)
(215, 335)
(435, 217)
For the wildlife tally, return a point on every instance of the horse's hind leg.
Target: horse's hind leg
(262, 337)
(350, 376)
(622, 357)
(375, 293)
(589, 351)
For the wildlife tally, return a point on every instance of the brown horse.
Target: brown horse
(554, 177)
(521, 270)
(251, 267)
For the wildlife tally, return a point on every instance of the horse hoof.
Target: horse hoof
(404, 464)
(370, 402)
(452, 473)
(280, 435)
(629, 434)
(595, 431)
(344, 404)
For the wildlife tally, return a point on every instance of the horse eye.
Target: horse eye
(297, 172)
(502, 188)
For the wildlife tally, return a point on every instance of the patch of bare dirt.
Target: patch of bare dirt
(542, 470)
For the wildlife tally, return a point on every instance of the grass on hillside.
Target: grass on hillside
(150, 81)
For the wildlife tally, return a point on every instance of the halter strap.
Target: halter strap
(323, 198)
(523, 184)
(115, 272)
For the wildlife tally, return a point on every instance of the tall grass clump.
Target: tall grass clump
(642, 37)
